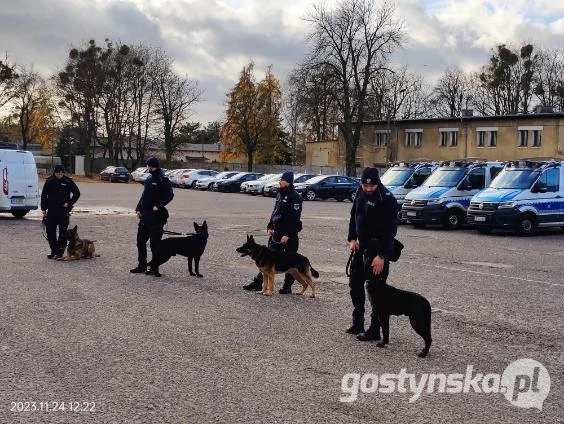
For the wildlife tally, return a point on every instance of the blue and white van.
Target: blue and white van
(445, 196)
(20, 186)
(402, 177)
(527, 194)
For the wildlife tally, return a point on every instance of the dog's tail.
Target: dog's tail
(314, 273)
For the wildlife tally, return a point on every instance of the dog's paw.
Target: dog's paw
(157, 274)
(312, 296)
(381, 344)
(422, 354)
(199, 275)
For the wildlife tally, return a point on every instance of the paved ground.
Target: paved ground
(181, 350)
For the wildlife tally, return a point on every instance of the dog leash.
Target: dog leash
(349, 263)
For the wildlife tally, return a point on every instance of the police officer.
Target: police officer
(152, 214)
(372, 228)
(58, 196)
(283, 227)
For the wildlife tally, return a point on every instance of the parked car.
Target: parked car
(233, 184)
(328, 186)
(135, 175)
(271, 188)
(176, 176)
(257, 187)
(115, 174)
(190, 179)
(209, 183)
(20, 185)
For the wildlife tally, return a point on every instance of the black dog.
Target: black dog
(192, 246)
(392, 301)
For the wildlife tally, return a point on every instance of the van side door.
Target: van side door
(548, 199)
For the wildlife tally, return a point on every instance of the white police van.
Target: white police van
(527, 194)
(20, 185)
(402, 177)
(445, 196)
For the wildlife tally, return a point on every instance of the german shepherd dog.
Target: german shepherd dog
(77, 248)
(271, 262)
(392, 301)
(191, 246)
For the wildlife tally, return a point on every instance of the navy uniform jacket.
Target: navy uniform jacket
(285, 219)
(374, 217)
(157, 191)
(56, 193)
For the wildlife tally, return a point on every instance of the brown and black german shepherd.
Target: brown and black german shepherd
(271, 262)
(77, 248)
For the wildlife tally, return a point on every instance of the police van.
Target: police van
(20, 185)
(527, 194)
(402, 177)
(445, 196)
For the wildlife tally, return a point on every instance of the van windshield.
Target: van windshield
(445, 177)
(396, 177)
(515, 178)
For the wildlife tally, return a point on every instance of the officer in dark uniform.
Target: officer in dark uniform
(58, 196)
(283, 227)
(152, 214)
(372, 228)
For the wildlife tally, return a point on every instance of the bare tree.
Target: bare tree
(27, 99)
(8, 77)
(354, 40)
(175, 95)
(451, 94)
(549, 81)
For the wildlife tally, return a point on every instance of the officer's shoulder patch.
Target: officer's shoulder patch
(297, 206)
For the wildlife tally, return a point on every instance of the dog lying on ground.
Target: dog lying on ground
(191, 246)
(392, 301)
(77, 248)
(272, 262)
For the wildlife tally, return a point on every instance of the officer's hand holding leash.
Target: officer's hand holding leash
(353, 245)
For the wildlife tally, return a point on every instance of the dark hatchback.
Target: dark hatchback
(328, 186)
(115, 174)
(233, 184)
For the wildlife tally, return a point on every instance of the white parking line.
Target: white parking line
(490, 274)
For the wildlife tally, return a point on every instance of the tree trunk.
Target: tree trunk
(250, 160)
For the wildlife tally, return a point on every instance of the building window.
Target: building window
(492, 139)
(448, 137)
(481, 141)
(443, 139)
(453, 139)
(537, 135)
(381, 139)
(523, 138)
(413, 138)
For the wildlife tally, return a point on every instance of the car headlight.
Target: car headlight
(506, 205)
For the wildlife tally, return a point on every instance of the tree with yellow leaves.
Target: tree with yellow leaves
(253, 124)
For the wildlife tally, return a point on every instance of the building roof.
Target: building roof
(555, 115)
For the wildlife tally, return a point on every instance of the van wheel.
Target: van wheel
(352, 196)
(310, 195)
(453, 219)
(526, 225)
(19, 214)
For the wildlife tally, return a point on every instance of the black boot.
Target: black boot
(356, 328)
(256, 285)
(138, 269)
(287, 287)
(373, 333)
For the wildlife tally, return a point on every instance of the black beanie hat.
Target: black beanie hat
(370, 176)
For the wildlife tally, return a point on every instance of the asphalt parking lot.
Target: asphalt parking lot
(183, 350)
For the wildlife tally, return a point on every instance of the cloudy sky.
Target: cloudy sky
(211, 40)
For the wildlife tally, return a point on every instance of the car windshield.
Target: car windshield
(225, 175)
(445, 177)
(317, 179)
(396, 177)
(237, 176)
(303, 178)
(515, 178)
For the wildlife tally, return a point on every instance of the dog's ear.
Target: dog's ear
(251, 239)
(196, 227)
(75, 228)
(248, 238)
(205, 225)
